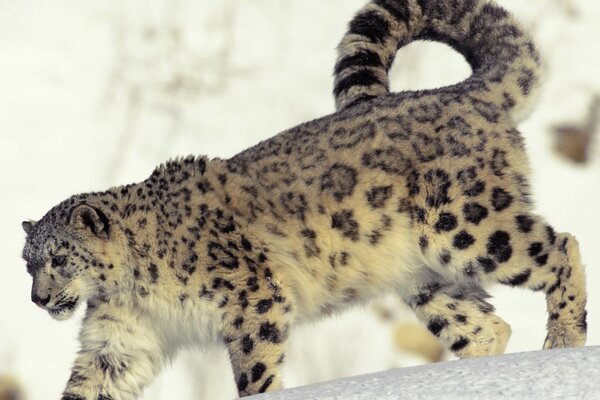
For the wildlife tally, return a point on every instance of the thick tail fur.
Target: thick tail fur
(505, 63)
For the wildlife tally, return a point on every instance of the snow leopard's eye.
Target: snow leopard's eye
(58, 261)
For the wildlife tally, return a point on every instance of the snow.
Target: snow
(96, 93)
(557, 374)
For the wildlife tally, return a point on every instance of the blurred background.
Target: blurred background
(96, 93)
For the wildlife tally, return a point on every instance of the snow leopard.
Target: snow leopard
(424, 194)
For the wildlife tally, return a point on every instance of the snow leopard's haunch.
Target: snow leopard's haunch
(505, 63)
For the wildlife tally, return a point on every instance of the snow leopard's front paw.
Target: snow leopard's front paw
(76, 396)
(82, 393)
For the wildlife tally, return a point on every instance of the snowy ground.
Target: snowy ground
(96, 93)
(547, 375)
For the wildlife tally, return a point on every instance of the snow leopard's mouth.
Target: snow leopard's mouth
(64, 308)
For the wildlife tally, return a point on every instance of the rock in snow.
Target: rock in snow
(552, 374)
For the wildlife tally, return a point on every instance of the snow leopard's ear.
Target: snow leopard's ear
(90, 219)
(28, 226)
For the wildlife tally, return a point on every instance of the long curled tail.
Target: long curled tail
(505, 63)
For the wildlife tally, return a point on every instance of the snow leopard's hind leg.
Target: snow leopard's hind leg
(461, 318)
(533, 256)
(567, 324)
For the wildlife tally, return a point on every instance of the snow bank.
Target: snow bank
(555, 374)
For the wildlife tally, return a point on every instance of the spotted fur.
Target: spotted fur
(423, 194)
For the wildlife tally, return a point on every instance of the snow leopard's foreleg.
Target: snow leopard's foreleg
(119, 356)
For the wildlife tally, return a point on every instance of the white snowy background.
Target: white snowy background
(96, 93)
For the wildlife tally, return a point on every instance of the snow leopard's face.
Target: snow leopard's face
(64, 252)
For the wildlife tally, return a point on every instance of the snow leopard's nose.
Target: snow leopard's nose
(38, 300)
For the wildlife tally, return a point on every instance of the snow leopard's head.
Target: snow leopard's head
(69, 254)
